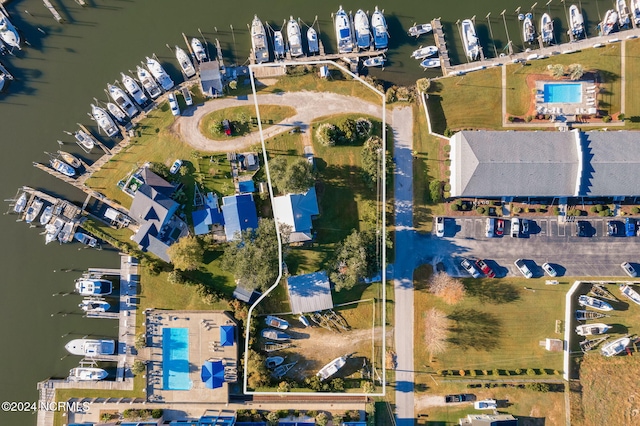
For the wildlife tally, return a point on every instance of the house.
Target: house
(210, 78)
(297, 211)
(489, 420)
(239, 212)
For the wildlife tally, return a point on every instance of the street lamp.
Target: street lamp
(491, 33)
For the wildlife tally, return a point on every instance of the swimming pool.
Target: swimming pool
(567, 93)
(175, 359)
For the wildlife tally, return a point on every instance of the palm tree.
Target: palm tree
(576, 71)
(556, 71)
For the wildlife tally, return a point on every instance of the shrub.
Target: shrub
(447, 187)
(604, 213)
(635, 210)
(156, 413)
(481, 210)
(511, 119)
(327, 134)
(446, 148)
(473, 373)
(528, 118)
(537, 387)
(621, 117)
(496, 372)
(455, 207)
(593, 209)
(518, 371)
(556, 211)
(531, 372)
(175, 277)
(606, 119)
(462, 373)
(517, 210)
(138, 367)
(435, 191)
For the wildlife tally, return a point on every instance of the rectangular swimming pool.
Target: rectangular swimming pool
(567, 93)
(175, 359)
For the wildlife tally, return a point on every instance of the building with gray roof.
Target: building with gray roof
(297, 211)
(309, 292)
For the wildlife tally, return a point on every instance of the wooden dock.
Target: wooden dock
(53, 10)
(441, 42)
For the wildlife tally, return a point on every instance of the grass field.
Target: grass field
(241, 120)
(632, 73)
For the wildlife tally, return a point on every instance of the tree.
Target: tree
(350, 263)
(423, 84)
(556, 71)
(371, 161)
(327, 134)
(575, 71)
(138, 367)
(347, 129)
(161, 170)
(272, 418)
(449, 289)
(435, 191)
(291, 177)
(322, 419)
(186, 254)
(284, 386)
(435, 336)
(257, 372)
(368, 387)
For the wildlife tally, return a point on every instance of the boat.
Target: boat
(588, 344)
(430, 63)
(598, 290)
(86, 239)
(84, 139)
(528, 29)
(294, 38)
(343, 32)
(276, 322)
(72, 160)
(274, 361)
(273, 346)
(576, 21)
(94, 305)
(159, 74)
(198, 50)
(363, 32)
(133, 88)
(608, 24)
(272, 334)
(312, 41)
(93, 287)
(116, 112)
(591, 329)
(21, 203)
(122, 100)
(582, 315)
(278, 44)
(424, 52)
(8, 33)
(148, 82)
(623, 13)
(594, 303)
(33, 210)
(65, 235)
(470, 40)
(281, 370)
(46, 215)
(418, 30)
(615, 347)
(629, 292)
(259, 41)
(379, 27)
(53, 229)
(546, 28)
(87, 374)
(635, 11)
(185, 62)
(62, 167)
(91, 347)
(104, 121)
(377, 61)
(331, 368)
(304, 320)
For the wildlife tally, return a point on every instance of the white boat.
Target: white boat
(159, 74)
(576, 21)
(259, 41)
(377, 61)
(343, 32)
(133, 88)
(122, 100)
(278, 44)
(546, 28)
(629, 292)
(594, 303)
(623, 13)
(84, 139)
(46, 215)
(294, 38)
(331, 368)
(592, 329)
(418, 30)
(274, 361)
(93, 287)
(70, 159)
(94, 305)
(304, 320)
(198, 50)
(91, 347)
(33, 210)
(185, 62)
(312, 41)
(424, 52)
(528, 29)
(430, 63)
(62, 167)
(363, 32)
(8, 33)
(148, 82)
(608, 24)
(86, 239)
(470, 40)
(276, 322)
(21, 203)
(65, 235)
(116, 112)
(379, 27)
(87, 374)
(615, 347)
(635, 11)
(271, 334)
(53, 229)
(104, 121)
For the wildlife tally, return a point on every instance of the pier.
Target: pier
(441, 42)
(53, 11)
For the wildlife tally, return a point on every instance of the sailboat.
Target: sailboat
(546, 28)
(159, 74)
(343, 32)
(471, 45)
(609, 22)
(133, 88)
(379, 26)
(363, 33)
(70, 159)
(528, 30)
(104, 121)
(122, 100)
(148, 82)
(259, 41)
(293, 36)
(198, 50)
(185, 62)
(576, 22)
(312, 41)
(623, 13)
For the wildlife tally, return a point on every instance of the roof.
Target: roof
(489, 420)
(297, 210)
(210, 79)
(239, 213)
(227, 335)
(246, 295)
(246, 186)
(204, 218)
(156, 182)
(309, 292)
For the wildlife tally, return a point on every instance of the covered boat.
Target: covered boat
(623, 13)
(276, 322)
(104, 121)
(198, 50)
(576, 21)
(84, 139)
(591, 329)
(424, 52)
(133, 88)
(8, 33)
(185, 62)
(148, 82)
(93, 287)
(608, 24)
(377, 61)
(72, 160)
(94, 305)
(46, 215)
(278, 44)
(430, 63)
(274, 361)
(343, 32)
(294, 38)
(470, 40)
(331, 368)
(546, 28)
(528, 29)
(259, 41)
(87, 374)
(594, 303)
(312, 41)
(272, 334)
(116, 112)
(363, 33)
(159, 74)
(629, 292)
(122, 100)
(62, 167)
(418, 30)
(615, 347)
(379, 27)
(21, 203)
(85, 239)
(33, 210)
(635, 11)
(91, 347)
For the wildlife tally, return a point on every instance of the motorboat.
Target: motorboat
(377, 61)
(294, 38)
(198, 50)
(274, 361)
(159, 74)
(624, 19)
(303, 319)
(33, 210)
(259, 41)
(104, 121)
(71, 160)
(87, 374)
(312, 41)
(430, 63)
(331, 368)
(84, 139)
(46, 215)
(276, 322)
(21, 203)
(185, 62)
(597, 304)
(615, 347)
(272, 334)
(576, 21)
(53, 229)
(91, 347)
(278, 44)
(122, 100)
(148, 82)
(363, 32)
(528, 29)
(94, 305)
(592, 329)
(133, 88)
(470, 40)
(86, 239)
(65, 235)
(424, 52)
(62, 167)
(343, 32)
(418, 30)
(630, 293)
(608, 24)
(635, 11)
(116, 112)
(546, 28)
(8, 33)
(379, 27)
(93, 287)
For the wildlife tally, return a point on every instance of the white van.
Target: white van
(491, 226)
(515, 227)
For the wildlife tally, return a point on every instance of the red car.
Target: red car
(499, 227)
(485, 268)
(227, 127)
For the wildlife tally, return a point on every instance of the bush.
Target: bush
(604, 213)
(481, 210)
(531, 372)
(606, 119)
(156, 413)
(528, 118)
(556, 211)
(537, 387)
(138, 367)
(517, 210)
(446, 148)
(635, 210)
(518, 371)
(462, 373)
(327, 134)
(448, 132)
(455, 207)
(511, 119)
(593, 209)
(447, 187)
(435, 191)
(496, 372)
(175, 277)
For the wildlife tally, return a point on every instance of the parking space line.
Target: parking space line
(561, 229)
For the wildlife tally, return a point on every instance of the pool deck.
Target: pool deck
(588, 104)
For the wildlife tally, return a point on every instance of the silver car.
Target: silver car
(440, 226)
(630, 270)
(523, 268)
(468, 266)
(549, 269)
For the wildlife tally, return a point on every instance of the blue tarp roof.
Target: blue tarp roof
(246, 186)
(239, 214)
(212, 374)
(227, 335)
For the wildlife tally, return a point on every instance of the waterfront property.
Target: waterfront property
(566, 98)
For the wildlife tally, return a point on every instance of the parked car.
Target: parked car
(462, 397)
(500, 227)
(630, 227)
(468, 266)
(549, 269)
(486, 404)
(630, 270)
(524, 226)
(175, 167)
(523, 268)
(440, 226)
(186, 94)
(581, 228)
(612, 228)
(482, 265)
(226, 124)
(173, 104)
(515, 227)
(491, 224)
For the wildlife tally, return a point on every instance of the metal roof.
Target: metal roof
(239, 213)
(297, 210)
(309, 292)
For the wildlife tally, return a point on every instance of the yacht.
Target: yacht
(87, 374)
(331, 368)
(576, 22)
(94, 305)
(470, 40)
(546, 28)
(93, 287)
(608, 24)
(91, 347)
(86, 239)
(21, 203)
(104, 121)
(623, 13)
(379, 26)
(198, 50)
(185, 62)
(528, 29)
(133, 88)
(159, 74)
(418, 30)
(33, 210)
(70, 159)
(46, 215)
(635, 11)
(148, 82)
(116, 112)
(84, 139)
(294, 38)
(53, 229)
(278, 44)
(312, 41)
(615, 347)
(363, 32)
(424, 52)
(65, 235)
(62, 167)
(343, 32)
(8, 33)
(259, 41)
(122, 100)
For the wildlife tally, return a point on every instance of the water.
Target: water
(68, 65)
(175, 358)
(563, 93)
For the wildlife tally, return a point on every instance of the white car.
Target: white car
(515, 227)
(523, 268)
(173, 104)
(440, 226)
(175, 167)
(490, 228)
(187, 96)
(468, 266)
(549, 269)
(630, 270)
(486, 404)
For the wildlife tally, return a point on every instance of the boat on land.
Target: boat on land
(272, 334)
(424, 52)
(379, 27)
(122, 100)
(116, 112)
(343, 32)
(87, 374)
(624, 19)
(635, 11)
(470, 40)
(259, 41)
(332, 368)
(594, 303)
(70, 159)
(629, 292)
(53, 229)
(419, 29)
(159, 74)
(278, 44)
(615, 347)
(608, 24)
(588, 344)
(148, 82)
(62, 167)
(430, 63)
(46, 215)
(133, 88)
(377, 61)
(85, 239)
(276, 322)
(21, 203)
(198, 50)
(592, 329)
(185, 62)
(33, 210)
(363, 32)
(582, 315)
(546, 28)
(303, 319)
(91, 347)
(104, 121)
(274, 361)
(312, 41)
(528, 29)
(84, 139)
(94, 305)
(93, 287)
(8, 32)
(576, 21)
(276, 346)
(598, 290)
(294, 38)
(281, 370)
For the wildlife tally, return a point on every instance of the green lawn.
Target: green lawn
(632, 73)
(241, 119)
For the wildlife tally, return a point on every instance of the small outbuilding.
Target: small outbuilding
(309, 292)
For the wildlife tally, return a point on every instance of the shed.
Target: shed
(309, 292)
(210, 78)
(227, 335)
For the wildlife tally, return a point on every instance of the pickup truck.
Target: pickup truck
(462, 397)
